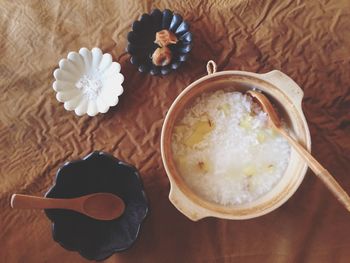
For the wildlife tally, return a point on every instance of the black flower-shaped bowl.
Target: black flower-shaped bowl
(141, 41)
(95, 239)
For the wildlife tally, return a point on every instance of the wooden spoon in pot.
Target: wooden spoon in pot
(315, 166)
(101, 206)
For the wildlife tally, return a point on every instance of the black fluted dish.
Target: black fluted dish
(141, 41)
(96, 239)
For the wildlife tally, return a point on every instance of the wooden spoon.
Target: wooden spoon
(315, 166)
(101, 206)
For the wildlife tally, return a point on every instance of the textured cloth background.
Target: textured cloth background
(308, 40)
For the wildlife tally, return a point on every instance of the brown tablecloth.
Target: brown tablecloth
(308, 40)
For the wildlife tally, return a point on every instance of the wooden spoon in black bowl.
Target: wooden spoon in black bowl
(100, 206)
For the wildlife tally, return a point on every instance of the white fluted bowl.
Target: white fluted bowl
(88, 82)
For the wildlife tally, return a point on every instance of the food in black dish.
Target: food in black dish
(141, 39)
(96, 239)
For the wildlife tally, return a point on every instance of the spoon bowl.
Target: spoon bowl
(104, 206)
(267, 107)
(100, 206)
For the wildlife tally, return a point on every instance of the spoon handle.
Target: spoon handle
(35, 202)
(320, 171)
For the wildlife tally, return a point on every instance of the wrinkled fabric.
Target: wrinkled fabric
(307, 40)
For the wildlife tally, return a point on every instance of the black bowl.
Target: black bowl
(141, 41)
(95, 239)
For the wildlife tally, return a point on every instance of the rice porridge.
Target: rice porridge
(225, 151)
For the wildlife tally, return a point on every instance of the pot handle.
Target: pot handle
(185, 205)
(211, 67)
(286, 84)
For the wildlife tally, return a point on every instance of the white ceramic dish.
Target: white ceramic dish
(88, 82)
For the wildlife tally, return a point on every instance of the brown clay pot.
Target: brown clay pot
(287, 97)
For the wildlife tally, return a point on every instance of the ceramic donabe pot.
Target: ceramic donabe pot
(286, 95)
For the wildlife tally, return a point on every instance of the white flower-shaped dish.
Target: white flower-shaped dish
(88, 82)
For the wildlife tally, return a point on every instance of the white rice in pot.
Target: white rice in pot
(225, 150)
